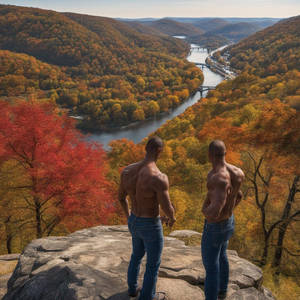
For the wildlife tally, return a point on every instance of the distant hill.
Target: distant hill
(144, 28)
(97, 67)
(72, 39)
(272, 50)
(219, 32)
(119, 34)
(195, 33)
(208, 40)
(261, 22)
(172, 28)
(211, 24)
(214, 32)
(46, 35)
(235, 31)
(265, 22)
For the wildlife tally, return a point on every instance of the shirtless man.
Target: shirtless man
(147, 189)
(224, 194)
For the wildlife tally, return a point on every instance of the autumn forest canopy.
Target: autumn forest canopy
(52, 181)
(96, 67)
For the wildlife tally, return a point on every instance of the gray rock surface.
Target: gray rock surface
(185, 233)
(92, 264)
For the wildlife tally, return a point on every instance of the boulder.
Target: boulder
(92, 264)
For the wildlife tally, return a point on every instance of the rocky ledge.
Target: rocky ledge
(92, 264)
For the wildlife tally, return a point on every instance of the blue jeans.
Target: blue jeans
(213, 247)
(147, 236)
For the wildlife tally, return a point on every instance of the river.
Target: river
(137, 132)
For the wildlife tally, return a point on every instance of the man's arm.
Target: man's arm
(217, 199)
(123, 198)
(205, 203)
(237, 175)
(239, 197)
(163, 198)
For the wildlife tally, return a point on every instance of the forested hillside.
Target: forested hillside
(114, 74)
(211, 24)
(172, 27)
(274, 50)
(257, 116)
(235, 32)
(209, 40)
(144, 28)
(21, 73)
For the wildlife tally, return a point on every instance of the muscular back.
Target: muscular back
(143, 183)
(223, 193)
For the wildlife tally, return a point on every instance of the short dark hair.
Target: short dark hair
(153, 144)
(217, 148)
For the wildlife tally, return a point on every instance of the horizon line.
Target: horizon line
(149, 17)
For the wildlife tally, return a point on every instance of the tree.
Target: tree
(152, 108)
(289, 215)
(269, 188)
(63, 176)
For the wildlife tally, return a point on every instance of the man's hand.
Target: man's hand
(164, 219)
(167, 221)
(171, 222)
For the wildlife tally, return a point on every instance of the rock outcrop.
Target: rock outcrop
(92, 264)
(184, 233)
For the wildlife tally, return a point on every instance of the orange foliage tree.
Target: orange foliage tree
(62, 177)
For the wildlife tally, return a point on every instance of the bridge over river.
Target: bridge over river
(202, 65)
(204, 88)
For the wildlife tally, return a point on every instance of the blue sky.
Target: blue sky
(171, 8)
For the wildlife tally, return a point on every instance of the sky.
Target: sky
(170, 8)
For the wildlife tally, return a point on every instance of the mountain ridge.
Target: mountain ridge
(112, 69)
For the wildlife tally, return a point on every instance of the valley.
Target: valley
(80, 94)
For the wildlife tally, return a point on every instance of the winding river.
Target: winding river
(137, 132)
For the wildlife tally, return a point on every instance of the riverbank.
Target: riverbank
(136, 132)
(219, 67)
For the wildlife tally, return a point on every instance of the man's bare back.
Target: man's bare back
(223, 194)
(147, 188)
(143, 183)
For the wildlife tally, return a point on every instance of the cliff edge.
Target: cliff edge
(92, 264)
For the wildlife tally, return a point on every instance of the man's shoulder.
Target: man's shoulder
(235, 171)
(160, 180)
(131, 168)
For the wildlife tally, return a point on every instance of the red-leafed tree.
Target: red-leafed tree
(59, 177)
